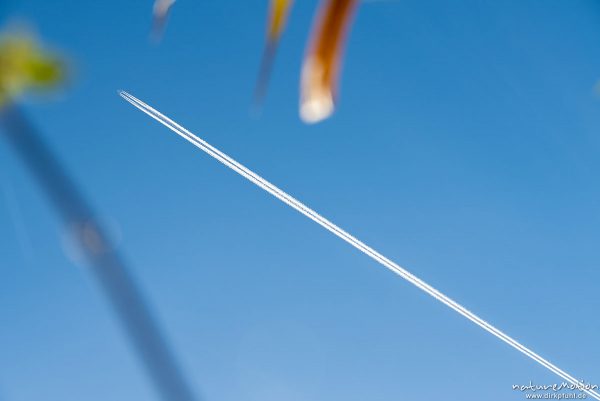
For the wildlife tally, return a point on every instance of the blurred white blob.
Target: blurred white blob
(80, 240)
(316, 102)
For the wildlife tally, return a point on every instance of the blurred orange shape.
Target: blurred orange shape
(321, 67)
(278, 15)
(278, 18)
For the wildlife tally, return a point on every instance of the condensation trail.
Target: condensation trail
(314, 216)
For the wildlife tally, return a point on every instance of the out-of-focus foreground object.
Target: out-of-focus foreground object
(279, 11)
(160, 14)
(278, 15)
(321, 67)
(24, 66)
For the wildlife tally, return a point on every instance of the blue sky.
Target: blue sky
(465, 147)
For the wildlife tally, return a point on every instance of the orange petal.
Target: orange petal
(320, 71)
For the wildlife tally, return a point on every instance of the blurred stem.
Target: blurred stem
(107, 265)
(264, 74)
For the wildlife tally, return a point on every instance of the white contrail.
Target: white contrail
(317, 218)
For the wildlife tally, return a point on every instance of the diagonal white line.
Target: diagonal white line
(317, 218)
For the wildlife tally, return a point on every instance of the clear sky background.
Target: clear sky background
(465, 147)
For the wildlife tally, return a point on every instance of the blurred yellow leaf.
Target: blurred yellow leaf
(321, 67)
(278, 14)
(24, 66)
(278, 18)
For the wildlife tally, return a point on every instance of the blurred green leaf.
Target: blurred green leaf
(25, 66)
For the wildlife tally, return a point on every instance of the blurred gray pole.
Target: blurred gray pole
(108, 267)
